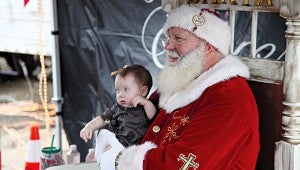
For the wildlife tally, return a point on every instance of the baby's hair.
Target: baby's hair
(141, 75)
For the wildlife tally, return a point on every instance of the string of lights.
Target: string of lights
(43, 90)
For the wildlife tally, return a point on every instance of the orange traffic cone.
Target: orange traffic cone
(33, 150)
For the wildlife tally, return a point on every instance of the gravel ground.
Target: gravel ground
(20, 107)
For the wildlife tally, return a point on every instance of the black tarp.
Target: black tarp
(96, 38)
(99, 36)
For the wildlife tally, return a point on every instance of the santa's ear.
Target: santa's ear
(209, 48)
(144, 91)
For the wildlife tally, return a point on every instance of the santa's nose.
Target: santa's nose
(170, 44)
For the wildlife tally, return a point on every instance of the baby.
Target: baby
(130, 117)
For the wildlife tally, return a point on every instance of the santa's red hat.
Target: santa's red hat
(203, 23)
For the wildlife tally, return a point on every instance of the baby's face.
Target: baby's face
(126, 89)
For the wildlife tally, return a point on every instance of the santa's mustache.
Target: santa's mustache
(173, 54)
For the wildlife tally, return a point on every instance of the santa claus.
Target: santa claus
(208, 117)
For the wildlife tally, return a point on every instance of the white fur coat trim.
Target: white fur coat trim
(225, 69)
(132, 157)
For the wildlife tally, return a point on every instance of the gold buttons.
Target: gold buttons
(156, 129)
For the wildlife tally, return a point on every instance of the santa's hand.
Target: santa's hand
(107, 159)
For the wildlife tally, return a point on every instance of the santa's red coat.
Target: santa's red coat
(217, 129)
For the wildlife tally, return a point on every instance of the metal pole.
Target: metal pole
(56, 78)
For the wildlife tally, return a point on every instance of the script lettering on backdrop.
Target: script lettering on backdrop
(149, 1)
(153, 52)
(262, 47)
(157, 39)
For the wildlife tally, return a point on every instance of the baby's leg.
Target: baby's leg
(106, 155)
(102, 141)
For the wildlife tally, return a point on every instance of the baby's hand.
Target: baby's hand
(86, 133)
(138, 100)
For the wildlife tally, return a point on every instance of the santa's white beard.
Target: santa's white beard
(174, 77)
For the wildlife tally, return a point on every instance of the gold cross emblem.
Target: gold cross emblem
(188, 161)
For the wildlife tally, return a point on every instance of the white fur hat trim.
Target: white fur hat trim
(203, 24)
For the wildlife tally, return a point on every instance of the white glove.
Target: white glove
(107, 159)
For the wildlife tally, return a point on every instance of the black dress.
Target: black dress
(129, 124)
